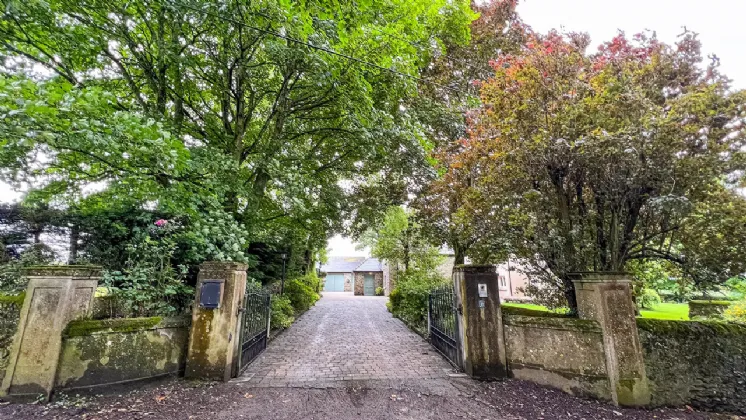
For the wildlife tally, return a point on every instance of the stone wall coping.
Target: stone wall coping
(694, 328)
(90, 271)
(224, 265)
(469, 268)
(711, 302)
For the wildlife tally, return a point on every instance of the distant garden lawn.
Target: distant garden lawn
(671, 311)
(674, 311)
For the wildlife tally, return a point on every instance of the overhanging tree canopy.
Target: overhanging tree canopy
(584, 162)
(252, 111)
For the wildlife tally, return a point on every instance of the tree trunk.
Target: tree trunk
(572, 300)
(460, 255)
(307, 261)
(74, 236)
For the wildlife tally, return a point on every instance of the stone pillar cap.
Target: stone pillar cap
(224, 265)
(600, 277)
(473, 268)
(62, 271)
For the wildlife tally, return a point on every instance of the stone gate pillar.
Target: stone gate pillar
(607, 299)
(55, 295)
(214, 337)
(480, 321)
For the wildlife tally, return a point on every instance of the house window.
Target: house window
(503, 282)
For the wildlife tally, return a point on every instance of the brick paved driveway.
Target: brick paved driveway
(344, 338)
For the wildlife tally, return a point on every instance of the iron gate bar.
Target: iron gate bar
(444, 334)
(254, 326)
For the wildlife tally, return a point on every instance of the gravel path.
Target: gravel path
(342, 338)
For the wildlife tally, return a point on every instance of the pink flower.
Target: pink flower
(161, 222)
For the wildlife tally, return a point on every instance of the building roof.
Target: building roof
(342, 264)
(371, 264)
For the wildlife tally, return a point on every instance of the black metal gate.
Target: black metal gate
(254, 326)
(443, 320)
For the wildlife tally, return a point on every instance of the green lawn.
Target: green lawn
(534, 307)
(526, 305)
(672, 311)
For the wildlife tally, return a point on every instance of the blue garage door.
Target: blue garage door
(335, 283)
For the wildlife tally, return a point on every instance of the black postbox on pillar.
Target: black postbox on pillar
(211, 293)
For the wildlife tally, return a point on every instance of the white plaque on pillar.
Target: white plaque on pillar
(482, 288)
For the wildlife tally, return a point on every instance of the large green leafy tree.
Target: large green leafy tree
(248, 113)
(399, 240)
(588, 161)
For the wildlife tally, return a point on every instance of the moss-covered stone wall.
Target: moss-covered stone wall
(556, 350)
(10, 311)
(701, 364)
(111, 351)
(702, 309)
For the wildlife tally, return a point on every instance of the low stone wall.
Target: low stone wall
(707, 308)
(702, 364)
(105, 352)
(558, 351)
(10, 312)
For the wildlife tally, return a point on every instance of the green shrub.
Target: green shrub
(394, 300)
(379, 291)
(301, 295)
(408, 301)
(149, 284)
(312, 281)
(736, 312)
(282, 313)
(11, 280)
(737, 287)
(648, 299)
(409, 304)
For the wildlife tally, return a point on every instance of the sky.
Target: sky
(7, 195)
(340, 246)
(720, 23)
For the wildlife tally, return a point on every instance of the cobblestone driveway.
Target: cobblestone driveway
(345, 337)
